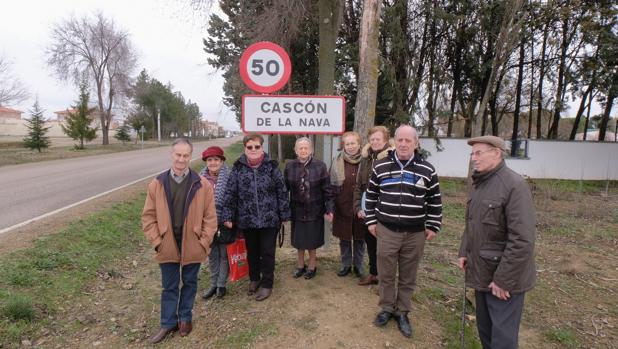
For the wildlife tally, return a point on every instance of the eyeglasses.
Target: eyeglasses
(256, 147)
(479, 152)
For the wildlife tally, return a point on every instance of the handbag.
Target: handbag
(237, 257)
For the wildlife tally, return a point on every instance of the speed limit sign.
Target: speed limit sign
(265, 67)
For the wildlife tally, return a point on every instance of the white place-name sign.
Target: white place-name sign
(293, 114)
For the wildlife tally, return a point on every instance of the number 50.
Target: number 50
(271, 67)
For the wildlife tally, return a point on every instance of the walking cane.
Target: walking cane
(463, 312)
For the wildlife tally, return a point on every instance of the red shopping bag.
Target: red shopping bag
(237, 257)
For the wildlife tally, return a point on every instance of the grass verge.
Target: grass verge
(35, 281)
(15, 156)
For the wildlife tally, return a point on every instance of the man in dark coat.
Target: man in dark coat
(497, 247)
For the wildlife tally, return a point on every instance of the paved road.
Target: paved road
(31, 190)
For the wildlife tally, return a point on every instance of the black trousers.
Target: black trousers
(498, 320)
(372, 247)
(261, 245)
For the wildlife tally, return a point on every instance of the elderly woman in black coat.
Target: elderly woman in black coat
(311, 201)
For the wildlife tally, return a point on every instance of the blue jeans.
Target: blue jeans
(177, 302)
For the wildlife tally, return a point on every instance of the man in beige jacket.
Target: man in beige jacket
(179, 220)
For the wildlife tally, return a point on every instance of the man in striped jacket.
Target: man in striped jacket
(403, 209)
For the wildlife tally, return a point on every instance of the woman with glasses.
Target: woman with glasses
(256, 202)
(349, 228)
(310, 202)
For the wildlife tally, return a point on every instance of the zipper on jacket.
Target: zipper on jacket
(257, 204)
(184, 237)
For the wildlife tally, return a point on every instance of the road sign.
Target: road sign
(288, 114)
(265, 67)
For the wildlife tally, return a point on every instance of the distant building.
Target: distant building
(209, 129)
(61, 115)
(8, 113)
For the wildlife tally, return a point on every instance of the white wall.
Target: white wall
(15, 127)
(547, 159)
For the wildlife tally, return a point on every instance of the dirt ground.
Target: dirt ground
(574, 304)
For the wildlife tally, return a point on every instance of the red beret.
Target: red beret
(213, 151)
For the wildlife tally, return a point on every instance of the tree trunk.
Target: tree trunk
(608, 108)
(539, 110)
(365, 108)
(580, 112)
(504, 44)
(559, 100)
(420, 68)
(531, 85)
(432, 69)
(520, 79)
(328, 27)
(456, 71)
(493, 108)
(587, 123)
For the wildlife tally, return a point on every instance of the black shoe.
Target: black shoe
(382, 318)
(310, 274)
(344, 271)
(209, 292)
(357, 272)
(404, 325)
(221, 291)
(299, 272)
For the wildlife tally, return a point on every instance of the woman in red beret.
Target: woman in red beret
(216, 172)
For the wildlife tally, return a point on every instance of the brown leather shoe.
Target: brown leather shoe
(185, 328)
(253, 286)
(162, 334)
(368, 280)
(263, 293)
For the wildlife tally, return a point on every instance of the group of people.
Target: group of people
(383, 198)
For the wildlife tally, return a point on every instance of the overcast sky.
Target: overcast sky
(167, 38)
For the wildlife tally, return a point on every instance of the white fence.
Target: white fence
(546, 159)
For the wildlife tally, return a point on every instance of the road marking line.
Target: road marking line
(19, 225)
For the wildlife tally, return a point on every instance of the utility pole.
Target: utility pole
(159, 125)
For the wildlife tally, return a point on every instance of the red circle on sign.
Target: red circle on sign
(249, 78)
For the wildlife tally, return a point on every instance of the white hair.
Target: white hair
(303, 139)
(414, 132)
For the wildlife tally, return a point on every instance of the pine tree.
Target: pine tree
(77, 123)
(36, 138)
(122, 134)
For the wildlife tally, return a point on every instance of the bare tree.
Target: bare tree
(507, 38)
(12, 91)
(365, 109)
(93, 47)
